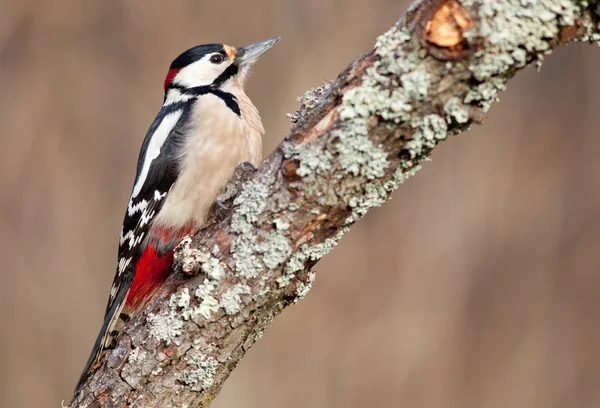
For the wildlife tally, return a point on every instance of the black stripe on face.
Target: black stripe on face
(229, 72)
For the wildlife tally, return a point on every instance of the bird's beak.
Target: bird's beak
(249, 54)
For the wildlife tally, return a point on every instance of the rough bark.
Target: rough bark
(352, 143)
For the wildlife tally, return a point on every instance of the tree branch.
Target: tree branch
(351, 145)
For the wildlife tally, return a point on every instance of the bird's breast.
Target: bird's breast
(215, 142)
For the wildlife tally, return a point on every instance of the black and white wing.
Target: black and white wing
(156, 173)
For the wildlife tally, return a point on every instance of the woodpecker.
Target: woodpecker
(206, 127)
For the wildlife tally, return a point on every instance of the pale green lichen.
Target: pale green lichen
(264, 287)
(247, 264)
(207, 307)
(137, 354)
(399, 177)
(165, 327)
(303, 288)
(208, 303)
(375, 195)
(359, 156)
(204, 290)
(415, 85)
(318, 251)
(379, 95)
(387, 47)
(311, 157)
(231, 300)
(516, 30)
(294, 264)
(390, 41)
(306, 252)
(281, 225)
(429, 131)
(491, 64)
(258, 335)
(371, 99)
(250, 204)
(285, 278)
(246, 247)
(309, 101)
(188, 258)
(275, 249)
(485, 93)
(456, 112)
(515, 27)
(201, 373)
(213, 269)
(181, 300)
(181, 304)
(592, 28)
(432, 127)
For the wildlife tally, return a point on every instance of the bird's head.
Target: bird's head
(214, 65)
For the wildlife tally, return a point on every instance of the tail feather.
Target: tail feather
(136, 286)
(113, 321)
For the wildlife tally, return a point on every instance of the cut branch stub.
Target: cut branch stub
(444, 29)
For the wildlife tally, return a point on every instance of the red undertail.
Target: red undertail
(151, 270)
(152, 267)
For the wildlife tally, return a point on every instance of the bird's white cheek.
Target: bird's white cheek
(199, 73)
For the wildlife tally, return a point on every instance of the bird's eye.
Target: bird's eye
(216, 59)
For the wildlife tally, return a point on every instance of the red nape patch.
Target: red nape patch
(170, 75)
(151, 269)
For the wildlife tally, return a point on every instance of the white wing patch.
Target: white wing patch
(158, 195)
(146, 216)
(133, 208)
(123, 264)
(156, 143)
(113, 290)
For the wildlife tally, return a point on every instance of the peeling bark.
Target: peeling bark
(352, 143)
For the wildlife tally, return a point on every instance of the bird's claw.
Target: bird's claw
(220, 203)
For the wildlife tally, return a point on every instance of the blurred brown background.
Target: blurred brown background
(476, 286)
